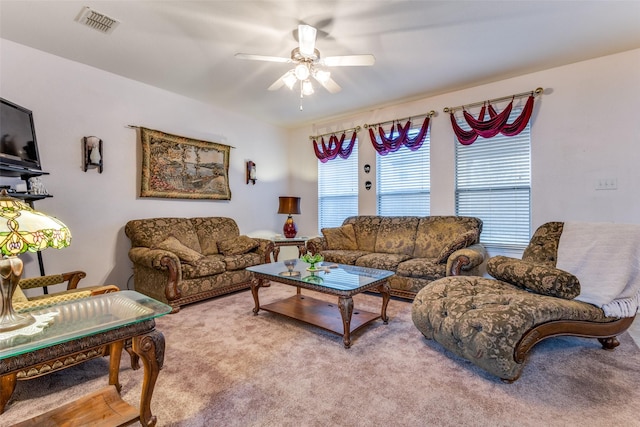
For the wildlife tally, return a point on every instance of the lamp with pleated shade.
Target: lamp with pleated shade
(289, 206)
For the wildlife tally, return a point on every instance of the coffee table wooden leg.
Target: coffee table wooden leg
(115, 354)
(385, 291)
(150, 348)
(255, 286)
(7, 386)
(346, 310)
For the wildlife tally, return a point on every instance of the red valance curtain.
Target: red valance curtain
(326, 151)
(497, 123)
(391, 143)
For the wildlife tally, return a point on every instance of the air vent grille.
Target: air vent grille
(97, 20)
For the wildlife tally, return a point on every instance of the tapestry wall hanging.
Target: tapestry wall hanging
(183, 168)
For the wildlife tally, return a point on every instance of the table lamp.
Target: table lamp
(289, 206)
(22, 229)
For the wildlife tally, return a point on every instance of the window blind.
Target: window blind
(337, 190)
(493, 183)
(403, 180)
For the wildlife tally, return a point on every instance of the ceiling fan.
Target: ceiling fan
(308, 63)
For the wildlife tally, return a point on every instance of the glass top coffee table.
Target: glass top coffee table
(343, 281)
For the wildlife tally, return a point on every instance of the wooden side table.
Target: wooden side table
(300, 242)
(85, 326)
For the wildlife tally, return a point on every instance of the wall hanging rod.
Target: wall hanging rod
(536, 92)
(140, 127)
(355, 129)
(429, 114)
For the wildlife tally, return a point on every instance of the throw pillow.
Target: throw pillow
(237, 245)
(343, 238)
(461, 241)
(183, 252)
(538, 278)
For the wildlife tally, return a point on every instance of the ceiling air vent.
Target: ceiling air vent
(97, 20)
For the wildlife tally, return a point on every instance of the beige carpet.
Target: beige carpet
(226, 367)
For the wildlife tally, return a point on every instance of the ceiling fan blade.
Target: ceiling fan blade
(262, 58)
(277, 84)
(349, 60)
(306, 39)
(330, 85)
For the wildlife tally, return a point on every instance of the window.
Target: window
(337, 190)
(493, 183)
(403, 180)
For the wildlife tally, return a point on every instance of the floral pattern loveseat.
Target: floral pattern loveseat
(183, 260)
(418, 249)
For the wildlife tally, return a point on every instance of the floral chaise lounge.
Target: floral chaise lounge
(577, 279)
(183, 260)
(418, 249)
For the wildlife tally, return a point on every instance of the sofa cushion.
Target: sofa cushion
(538, 278)
(186, 254)
(151, 231)
(397, 235)
(543, 246)
(211, 230)
(242, 261)
(343, 238)
(206, 266)
(435, 233)
(381, 261)
(423, 268)
(457, 242)
(366, 228)
(237, 245)
(342, 257)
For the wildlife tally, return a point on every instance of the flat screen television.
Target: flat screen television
(18, 144)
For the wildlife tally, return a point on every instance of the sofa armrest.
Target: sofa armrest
(316, 244)
(265, 249)
(466, 259)
(158, 259)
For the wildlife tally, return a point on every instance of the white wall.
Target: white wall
(584, 128)
(70, 100)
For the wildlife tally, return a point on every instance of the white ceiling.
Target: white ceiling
(422, 48)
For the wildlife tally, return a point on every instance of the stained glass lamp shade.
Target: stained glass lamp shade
(22, 229)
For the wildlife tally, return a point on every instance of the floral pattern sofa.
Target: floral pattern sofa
(494, 323)
(418, 249)
(183, 260)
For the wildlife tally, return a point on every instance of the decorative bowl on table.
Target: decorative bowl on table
(312, 260)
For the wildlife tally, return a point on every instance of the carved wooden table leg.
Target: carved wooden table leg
(346, 310)
(7, 386)
(150, 348)
(385, 291)
(115, 353)
(276, 252)
(255, 286)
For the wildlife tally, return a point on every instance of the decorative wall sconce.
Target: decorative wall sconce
(92, 153)
(367, 168)
(251, 172)
(367, 185)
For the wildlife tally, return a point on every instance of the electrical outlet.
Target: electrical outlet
(607, 184)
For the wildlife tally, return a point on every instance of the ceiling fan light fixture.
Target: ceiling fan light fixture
(306, 39)
(302, 71)
(289, 79)
(307, 88)
(322, 76)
